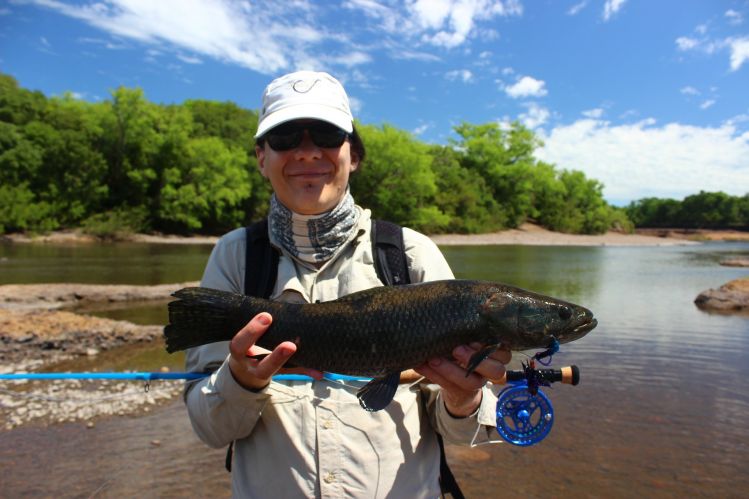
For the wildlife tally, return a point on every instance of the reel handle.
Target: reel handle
(569, 375)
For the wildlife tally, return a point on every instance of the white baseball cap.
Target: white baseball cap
(304, 94)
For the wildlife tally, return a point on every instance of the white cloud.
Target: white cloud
(707, 104)
(734, 18)
(739, 52)
(459, 74)
(535, 116)
(738, 47)
(641, 160)
(422, 128)
(686, 43)
(188, 59)
(262, 36)
(575, 9)
(443, 23)
(258, 35)
(689, 90)
(356, 105)
(611, 7)
(593, 113)
(526, 86)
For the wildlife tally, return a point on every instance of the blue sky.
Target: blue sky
(651, 97)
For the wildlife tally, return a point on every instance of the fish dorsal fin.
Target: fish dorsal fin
(379, 392)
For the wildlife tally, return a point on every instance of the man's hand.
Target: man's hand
(256, 374)
(462, 395)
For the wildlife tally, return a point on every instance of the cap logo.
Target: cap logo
(303, 87)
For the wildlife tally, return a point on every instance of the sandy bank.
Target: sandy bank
(53, 296)
(534, 235)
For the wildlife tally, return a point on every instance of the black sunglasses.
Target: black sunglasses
(289, 135)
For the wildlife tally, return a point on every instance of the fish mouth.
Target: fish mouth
(578, 331)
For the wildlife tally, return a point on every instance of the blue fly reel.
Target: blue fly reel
(523, 418)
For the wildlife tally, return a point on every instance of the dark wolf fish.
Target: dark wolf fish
(383, 331)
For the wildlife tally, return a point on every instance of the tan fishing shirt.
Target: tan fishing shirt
(311, 438)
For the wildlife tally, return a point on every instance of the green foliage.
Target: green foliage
(464, 196)
(504, 158)
(207, 189)
(706, 210)
(20, 211)
(127, 164)
(396, 182)
(117, 224)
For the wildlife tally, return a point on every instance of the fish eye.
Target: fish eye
(565, 313)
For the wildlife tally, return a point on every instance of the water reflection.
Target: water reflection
(102, 263)
(570, 273)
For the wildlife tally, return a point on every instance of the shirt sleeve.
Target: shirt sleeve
(220, 409)
(427, 263)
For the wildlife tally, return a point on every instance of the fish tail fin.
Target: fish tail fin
(202, 315)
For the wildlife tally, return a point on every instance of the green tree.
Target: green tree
(463, 195)
(206, 191)
(396, 180)
(504, 158)
(17, 105)
(130, 144)
(709, 210)
(236, 127)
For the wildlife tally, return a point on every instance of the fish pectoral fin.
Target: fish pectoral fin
(379, 392)
(476, 358)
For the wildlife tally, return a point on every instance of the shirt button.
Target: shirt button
(329, 477)
(328, 424)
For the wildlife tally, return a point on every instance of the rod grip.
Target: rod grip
(569, 375)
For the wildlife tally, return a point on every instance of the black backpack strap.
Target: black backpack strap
(390, 260)
(261, 261)
(389, 253)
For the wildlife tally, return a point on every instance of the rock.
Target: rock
(731, 297)
(736, 262)
(92, 352)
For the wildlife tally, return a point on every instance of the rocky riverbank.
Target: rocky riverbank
(35, 335)
(55, 296)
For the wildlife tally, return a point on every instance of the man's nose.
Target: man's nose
(307, 149)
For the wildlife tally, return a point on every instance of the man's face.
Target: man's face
(308, 179)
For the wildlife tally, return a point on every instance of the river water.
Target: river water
(661, 411)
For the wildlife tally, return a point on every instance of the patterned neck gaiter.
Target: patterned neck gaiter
(313, 238)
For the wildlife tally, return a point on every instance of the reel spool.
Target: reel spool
(523, 418)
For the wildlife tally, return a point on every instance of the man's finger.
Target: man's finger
(451, 376)
(248, 335)
(489, 368)
(270, 365)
